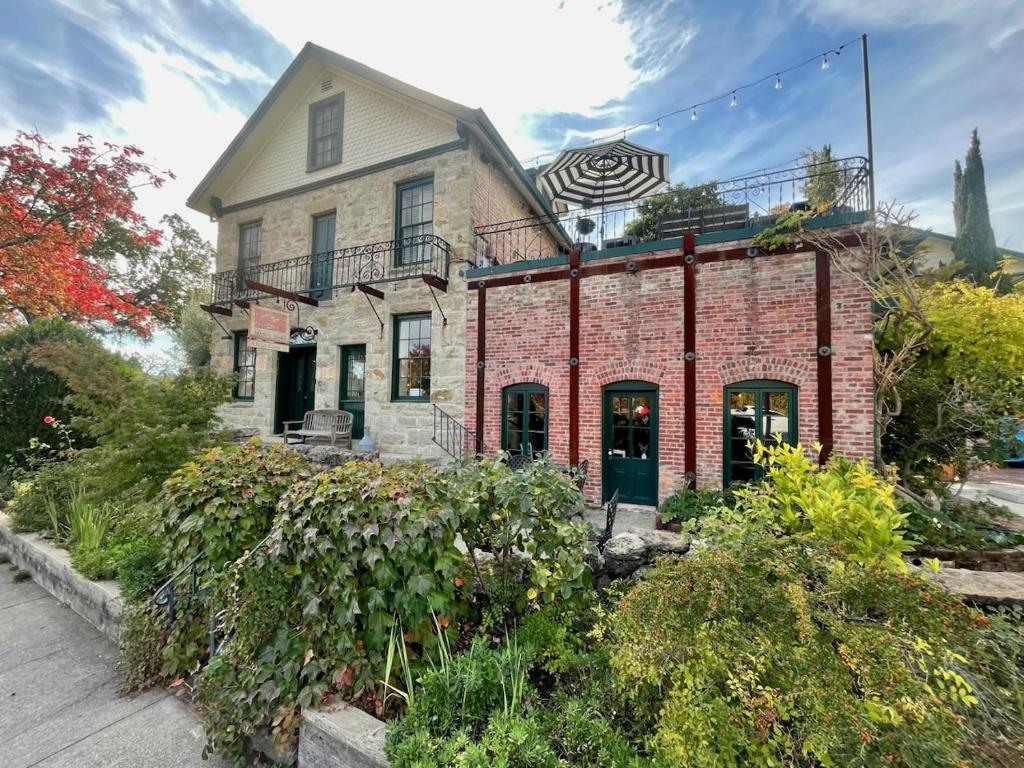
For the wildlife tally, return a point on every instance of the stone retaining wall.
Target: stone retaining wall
(630, 554)
(1011, 559)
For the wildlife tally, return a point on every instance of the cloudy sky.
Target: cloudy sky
(179, 78)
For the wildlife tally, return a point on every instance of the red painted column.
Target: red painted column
(690, 357)
(574, 357)
(823, 306)
(481, 362)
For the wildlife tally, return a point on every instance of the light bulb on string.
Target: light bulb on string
(693, 115)
(657, 127)
(778, 83)
(824, 61)
(733, 102)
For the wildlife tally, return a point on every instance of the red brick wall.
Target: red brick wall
(755, 319)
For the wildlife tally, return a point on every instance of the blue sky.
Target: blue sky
(179, 79)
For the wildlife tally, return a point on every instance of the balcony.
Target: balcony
(317, 276)
(838, 186)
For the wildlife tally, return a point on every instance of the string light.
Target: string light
(730, 94)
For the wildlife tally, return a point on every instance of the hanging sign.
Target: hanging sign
(269, 328)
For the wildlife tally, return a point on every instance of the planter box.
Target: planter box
(341, 737)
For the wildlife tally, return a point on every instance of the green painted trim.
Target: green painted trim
(316, 106)
(526, 390)
(239, 340)
(395, 320)
(515, 266)
(440, 149)
(709, 238)
(758, 386)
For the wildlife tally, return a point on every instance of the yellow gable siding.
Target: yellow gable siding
(377, 127)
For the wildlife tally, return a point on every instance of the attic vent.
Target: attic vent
(326, 84)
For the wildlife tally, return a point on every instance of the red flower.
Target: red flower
(48, 420)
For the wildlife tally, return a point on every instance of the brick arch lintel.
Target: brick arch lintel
(765, 367)
(522, 373)
(631, 370)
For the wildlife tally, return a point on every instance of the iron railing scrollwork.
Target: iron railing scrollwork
(756, 200)
(319, 275)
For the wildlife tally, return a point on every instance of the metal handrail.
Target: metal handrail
(455, 438)
(319, 275)
(736, 203)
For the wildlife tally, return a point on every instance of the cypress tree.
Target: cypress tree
(975, 243)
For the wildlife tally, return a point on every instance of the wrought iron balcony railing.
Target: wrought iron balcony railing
(319, 275)
(834, 186)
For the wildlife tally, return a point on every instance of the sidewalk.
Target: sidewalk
(59, 701)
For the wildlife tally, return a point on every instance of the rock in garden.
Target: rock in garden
(662, 542)
(624, 554)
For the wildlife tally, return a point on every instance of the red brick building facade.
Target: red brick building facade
(643, 332)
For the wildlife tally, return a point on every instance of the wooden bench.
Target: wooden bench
(326, 424)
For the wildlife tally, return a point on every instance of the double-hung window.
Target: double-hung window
(325, 121)
(249, 239)
(411, 358)
(414, 218)
(524, 418)
(244, 367)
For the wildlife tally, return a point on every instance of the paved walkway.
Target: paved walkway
(59, 701)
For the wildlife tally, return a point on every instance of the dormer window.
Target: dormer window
(325, 119)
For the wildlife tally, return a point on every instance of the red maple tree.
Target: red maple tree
(52, 208)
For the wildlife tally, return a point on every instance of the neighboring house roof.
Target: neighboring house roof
(926, 233)
(474, 120)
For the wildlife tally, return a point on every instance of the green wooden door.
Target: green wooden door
(630, 442)
(296, 381)
(352, 393)
(322, 275)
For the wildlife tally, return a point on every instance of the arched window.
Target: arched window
(756, 410)
(524, 418)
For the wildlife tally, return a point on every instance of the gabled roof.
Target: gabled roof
(925, 233)
(474, 120)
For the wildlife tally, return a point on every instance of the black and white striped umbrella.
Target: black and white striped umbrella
(603, 174)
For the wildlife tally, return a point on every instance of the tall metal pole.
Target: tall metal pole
(867, 120)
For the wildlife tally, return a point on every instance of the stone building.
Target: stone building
(353, 196)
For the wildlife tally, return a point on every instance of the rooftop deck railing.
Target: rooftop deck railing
(319, 275)
(836, 186)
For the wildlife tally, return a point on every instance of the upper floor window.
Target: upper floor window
(325, 119)
(245, 368)
(410, 358)
(414, 220)
(249, 237)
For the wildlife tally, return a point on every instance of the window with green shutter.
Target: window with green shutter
(524, 418)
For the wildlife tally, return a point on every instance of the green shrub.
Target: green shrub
(223, 502)
(351, 551)
(843, 504)
(777, 653)
(144, 630)
(690, 504)
(961, 524)
(537, 510)
(29, 392)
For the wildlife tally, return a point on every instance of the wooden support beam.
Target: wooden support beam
(481, 361)
(690, 358)
(574, 358)
(364, 288)
(435, 282)
(271, 290)
(823, 307)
